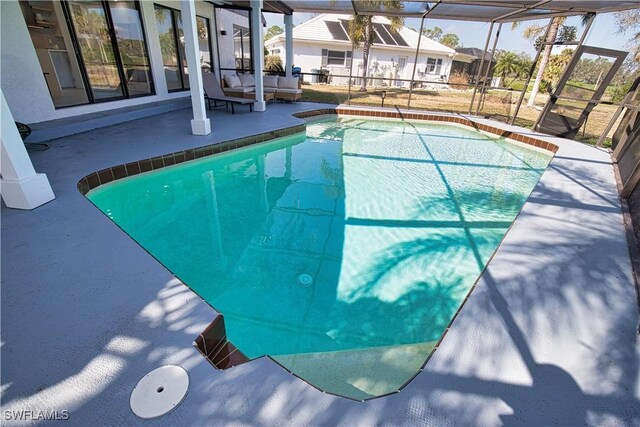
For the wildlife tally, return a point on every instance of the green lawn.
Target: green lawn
(498, 105)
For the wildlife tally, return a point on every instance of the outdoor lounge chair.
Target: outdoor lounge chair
(213, 92)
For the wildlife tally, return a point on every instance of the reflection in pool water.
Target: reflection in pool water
(388, 224)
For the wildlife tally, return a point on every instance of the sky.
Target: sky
(473, 34)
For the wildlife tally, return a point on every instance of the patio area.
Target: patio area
(548, 336)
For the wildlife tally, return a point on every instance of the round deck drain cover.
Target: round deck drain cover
(160, 391)
(305, 280)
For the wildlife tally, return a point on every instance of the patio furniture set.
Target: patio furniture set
(240, 89)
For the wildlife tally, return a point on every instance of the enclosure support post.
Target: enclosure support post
(626, 103)
(631, 183)
(585, 33)
(486, 74)
(288, 44)
(200, 125)
(350, 74)
(258, 53)
(575, 52)
(531, 71)
(615, 116)
(415, 61)
(484, 53)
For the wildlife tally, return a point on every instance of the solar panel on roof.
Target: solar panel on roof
(396, 36)
(345, 26)
(376, 38)
(336, 30)
(382, 32)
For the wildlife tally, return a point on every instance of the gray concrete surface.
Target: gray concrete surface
(549, 335)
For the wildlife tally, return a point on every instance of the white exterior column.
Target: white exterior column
(288, 44)
(20, 185)
(200, 125)
(257, 45)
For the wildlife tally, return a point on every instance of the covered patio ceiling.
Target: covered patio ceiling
(467, 10)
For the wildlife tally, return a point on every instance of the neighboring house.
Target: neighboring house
(323, 43)
(467, 61)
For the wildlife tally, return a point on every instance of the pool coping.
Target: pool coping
(114, 173)
(212, 342)
(549, 335)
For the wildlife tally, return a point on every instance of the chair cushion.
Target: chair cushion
(232, 81)
(288, 82)
(240, 89)
(247, 80)
(270, 81)
(269, 89)
(280, 90)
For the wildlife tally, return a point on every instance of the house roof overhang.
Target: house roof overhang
(272, 6)
(467, 10)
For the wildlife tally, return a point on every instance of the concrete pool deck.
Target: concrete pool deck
(548, 336)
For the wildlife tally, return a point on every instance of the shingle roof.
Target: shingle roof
(474, 51)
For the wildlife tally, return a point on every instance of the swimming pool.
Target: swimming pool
(344, 253)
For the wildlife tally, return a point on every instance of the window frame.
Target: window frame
(174, 23)
(71, 27)
(244, 31)
(325, 53)
(434, 66)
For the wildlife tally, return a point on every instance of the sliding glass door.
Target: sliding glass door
(169, 48)
(97, 49)
(56, 52)
(174, 59)
(132, 49)
(112, 47)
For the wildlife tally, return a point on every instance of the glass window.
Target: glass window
(242, 48)
(168, 47)
(204, 42)
(54, 48)
(184, 69)
(171, 34)
(132, 49)
(100, 56)
(434, 66)
(335, 57)
(96, 48)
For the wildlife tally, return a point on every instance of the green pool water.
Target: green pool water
(392, 221)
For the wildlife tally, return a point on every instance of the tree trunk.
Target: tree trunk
(366, 47)
(544, 60)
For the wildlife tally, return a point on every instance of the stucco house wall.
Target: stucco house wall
(226, 19)
(310, 38)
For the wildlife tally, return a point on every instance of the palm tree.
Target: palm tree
(361, 30)
(507, 64)
(534, 33)
(524, 65)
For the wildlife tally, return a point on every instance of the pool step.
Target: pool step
(216, 348)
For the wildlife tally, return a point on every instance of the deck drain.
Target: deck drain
(159, 392)
(305, 280)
